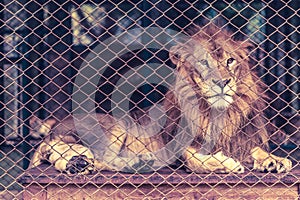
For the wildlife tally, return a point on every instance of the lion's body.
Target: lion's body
(217, 90)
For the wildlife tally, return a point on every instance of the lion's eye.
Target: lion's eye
(203, 62)
(230, 61)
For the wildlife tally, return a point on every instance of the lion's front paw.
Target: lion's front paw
(230, 165)
(273, 164)
(266, 162)
(214, 163)
(79, 165)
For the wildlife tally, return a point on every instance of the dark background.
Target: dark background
(43, 44)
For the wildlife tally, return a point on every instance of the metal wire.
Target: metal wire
(46, 44)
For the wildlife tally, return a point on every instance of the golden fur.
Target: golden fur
(64, 134)
(229, 120)
(213, 58)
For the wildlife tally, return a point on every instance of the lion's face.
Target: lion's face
(215, 78)
(218, 68)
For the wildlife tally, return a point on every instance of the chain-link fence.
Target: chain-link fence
(61, 59)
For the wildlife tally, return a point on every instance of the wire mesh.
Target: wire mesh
(62, 58)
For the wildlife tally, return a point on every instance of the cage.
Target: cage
(60, 58)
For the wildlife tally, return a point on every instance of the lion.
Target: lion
(215, 73)
(231, 103)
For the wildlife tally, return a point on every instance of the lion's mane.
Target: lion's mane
(243, 121)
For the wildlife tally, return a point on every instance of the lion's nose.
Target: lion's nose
(221, 83)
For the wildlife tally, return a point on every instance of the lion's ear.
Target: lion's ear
(174, 55)
(177, 54)
(247, 46)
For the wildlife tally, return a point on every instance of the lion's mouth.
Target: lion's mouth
(218, 95)
(222, 100)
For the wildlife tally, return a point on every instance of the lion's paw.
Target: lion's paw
(230, 165)
(79, 165)
(273, 164)
(214, 163)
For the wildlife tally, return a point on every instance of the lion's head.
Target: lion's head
(219, 66)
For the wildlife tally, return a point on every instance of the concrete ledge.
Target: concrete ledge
(45, 182)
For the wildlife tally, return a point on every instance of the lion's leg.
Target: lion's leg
(264, 161)
(113, 160)
(37, 157)
(211, 163)
(70, 158)
(111, 157)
